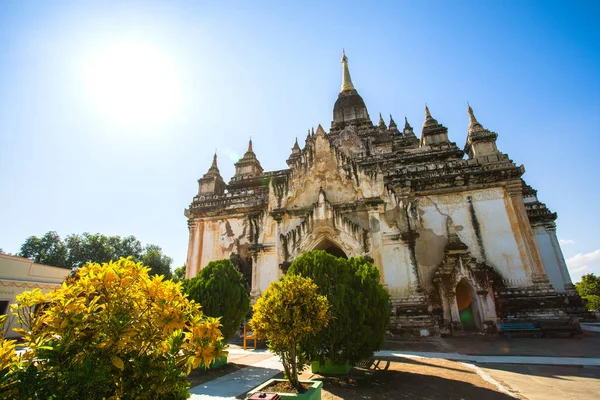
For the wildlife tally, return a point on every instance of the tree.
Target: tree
(179, 273)
(77, 250)
(360, 306)
(220, 289)
(48, 250)
(111, 331)
(589, 285)
(288, 312)
(589, 290)
(158, 263)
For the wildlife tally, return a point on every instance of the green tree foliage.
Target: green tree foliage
(158, 263)
(110, 331)
(220, 289)
(592, 302)
(360, 306)
(589, 285)
(289, 312)
(179, 273)
(589, 290)
(49, 250)
(77, 250)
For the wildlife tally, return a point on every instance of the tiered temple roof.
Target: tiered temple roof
(408, 163)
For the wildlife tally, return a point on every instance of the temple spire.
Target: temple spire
(250, 146)
(381, 122)
(296, 154)
(211, 182)
(214, 169)
(481, 142)
(427, 113)
(392, 123)
(346, 80)
(472, 120)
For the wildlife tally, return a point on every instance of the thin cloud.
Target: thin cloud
(581, 261)
(566, 241)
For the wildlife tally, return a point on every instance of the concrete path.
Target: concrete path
(238, 382)
(530, 360)
(540, 382)
(591, 327)
(229, 386)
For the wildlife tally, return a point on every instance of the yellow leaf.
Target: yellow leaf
(117, 362)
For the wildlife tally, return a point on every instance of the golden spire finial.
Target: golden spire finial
(346, 80)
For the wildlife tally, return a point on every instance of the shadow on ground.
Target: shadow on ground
(409, 379)
(559, 372)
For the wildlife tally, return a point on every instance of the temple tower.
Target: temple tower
(350, 108)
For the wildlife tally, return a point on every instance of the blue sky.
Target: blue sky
(77, 154)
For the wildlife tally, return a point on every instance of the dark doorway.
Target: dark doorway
(331, 248)
(466, 309)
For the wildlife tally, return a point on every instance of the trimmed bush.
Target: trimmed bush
(110, 331)
(360, 306)
(219, 287)
(288, 312)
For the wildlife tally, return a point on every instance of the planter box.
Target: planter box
(329, 368)
(314, 393)
(218, 363)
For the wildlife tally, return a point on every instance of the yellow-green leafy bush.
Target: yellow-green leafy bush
(288, 312)
(112, 332)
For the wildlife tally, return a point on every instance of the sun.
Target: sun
(133, 84)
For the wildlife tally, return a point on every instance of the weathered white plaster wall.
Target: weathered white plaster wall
(268, 268)
(397, 270)
(552, 257)
(501, 248)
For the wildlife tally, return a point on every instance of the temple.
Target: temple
(460, 240)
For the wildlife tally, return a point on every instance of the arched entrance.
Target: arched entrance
(331, 248)
(468, 308)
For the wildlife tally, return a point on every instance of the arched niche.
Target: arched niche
(468, 305)
(331, 248)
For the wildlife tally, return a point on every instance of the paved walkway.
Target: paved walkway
(238, 382)
(530, 360)
(542, 382)
(229, 386)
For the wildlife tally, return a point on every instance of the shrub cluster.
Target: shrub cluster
(112, 332)
(360, 306)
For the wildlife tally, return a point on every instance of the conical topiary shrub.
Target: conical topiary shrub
(219, 288)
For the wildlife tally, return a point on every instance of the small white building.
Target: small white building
(17, 275)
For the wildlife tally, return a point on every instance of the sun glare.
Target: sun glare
(134, 85)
